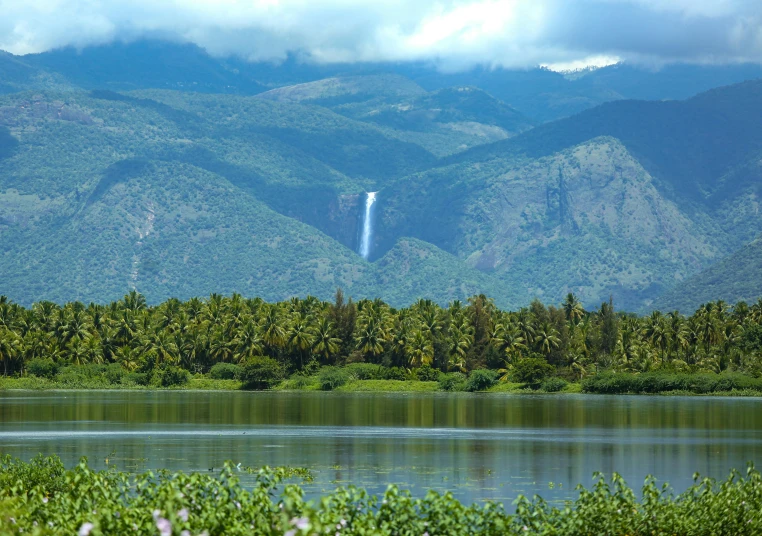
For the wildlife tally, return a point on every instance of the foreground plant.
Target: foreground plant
(41, 497)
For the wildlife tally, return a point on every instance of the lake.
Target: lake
(477, 446)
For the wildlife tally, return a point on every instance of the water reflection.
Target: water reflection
(479, 447)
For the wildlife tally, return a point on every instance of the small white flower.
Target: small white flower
(185, 533)
(343, 522)
(45, 500)
(85, 529)
(183, 514)
(156, 515)
(164, 526)
(301, 523)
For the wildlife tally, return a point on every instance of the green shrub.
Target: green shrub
(553, 385)
(481, 380)
(83, 376)
(454, 381)
(170, 376)
(395, 373)
(300, 381)
(426, 374)
(226, 371)
(262, 373)
(531, 371)
(331, 378)
(42, 497)
(364, 371)
(114, 373)
(660, 382)
(42, 368)
(136, 378)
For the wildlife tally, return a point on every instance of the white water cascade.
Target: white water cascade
(367, 225)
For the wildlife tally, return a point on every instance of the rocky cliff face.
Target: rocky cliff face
(588, 220)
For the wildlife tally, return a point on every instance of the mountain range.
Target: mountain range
(154, 166)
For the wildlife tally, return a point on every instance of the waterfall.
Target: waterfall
(367, 225)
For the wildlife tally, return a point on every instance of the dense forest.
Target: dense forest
(299, 336)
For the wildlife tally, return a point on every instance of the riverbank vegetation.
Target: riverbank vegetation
(233, 342)
(42, 497)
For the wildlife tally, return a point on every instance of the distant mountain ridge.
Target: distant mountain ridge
(182, 174)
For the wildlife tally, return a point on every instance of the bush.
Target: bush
(83, 376)
(114, 373)
(395, 373)
(331, 378)
(553, 385)
(225, 371)
(42, 368)
(262, 373)
(481, 380)
(45, 498)
(135, 378)
(454, 381)
(170, 376)
(300, 381)
(364, 371)
(659, 382)
(426, 374)
(531, 371)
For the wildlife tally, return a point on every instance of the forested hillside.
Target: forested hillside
(156, 167)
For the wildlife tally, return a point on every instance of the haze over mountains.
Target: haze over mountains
(157, 167)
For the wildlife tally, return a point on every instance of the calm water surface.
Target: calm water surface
(478, 446)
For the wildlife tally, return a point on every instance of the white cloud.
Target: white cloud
(451, 32)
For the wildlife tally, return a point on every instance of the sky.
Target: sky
(562, 34)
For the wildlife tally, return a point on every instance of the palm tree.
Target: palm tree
(325, 344)
(420, 349)
(300, 337)
(10, 347)
(509, 340)
(573, 309)
(460, 340)
(248, 341)
(272, 329)
(162, 346)
(547, 338)
(371, 336)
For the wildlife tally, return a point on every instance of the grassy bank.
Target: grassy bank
(195, 383)
(643, 384)
(42, 497)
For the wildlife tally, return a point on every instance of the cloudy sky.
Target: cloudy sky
(455, 33)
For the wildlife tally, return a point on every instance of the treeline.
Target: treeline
(303, 335)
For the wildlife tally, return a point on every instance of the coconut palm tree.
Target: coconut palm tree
(420, 349)
(325, 344)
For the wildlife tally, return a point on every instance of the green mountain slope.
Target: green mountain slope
(686, 145)
(413, 269)
(173, 230)
(188, 194)
(735, 278)
(443, 122)
(588, 219)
